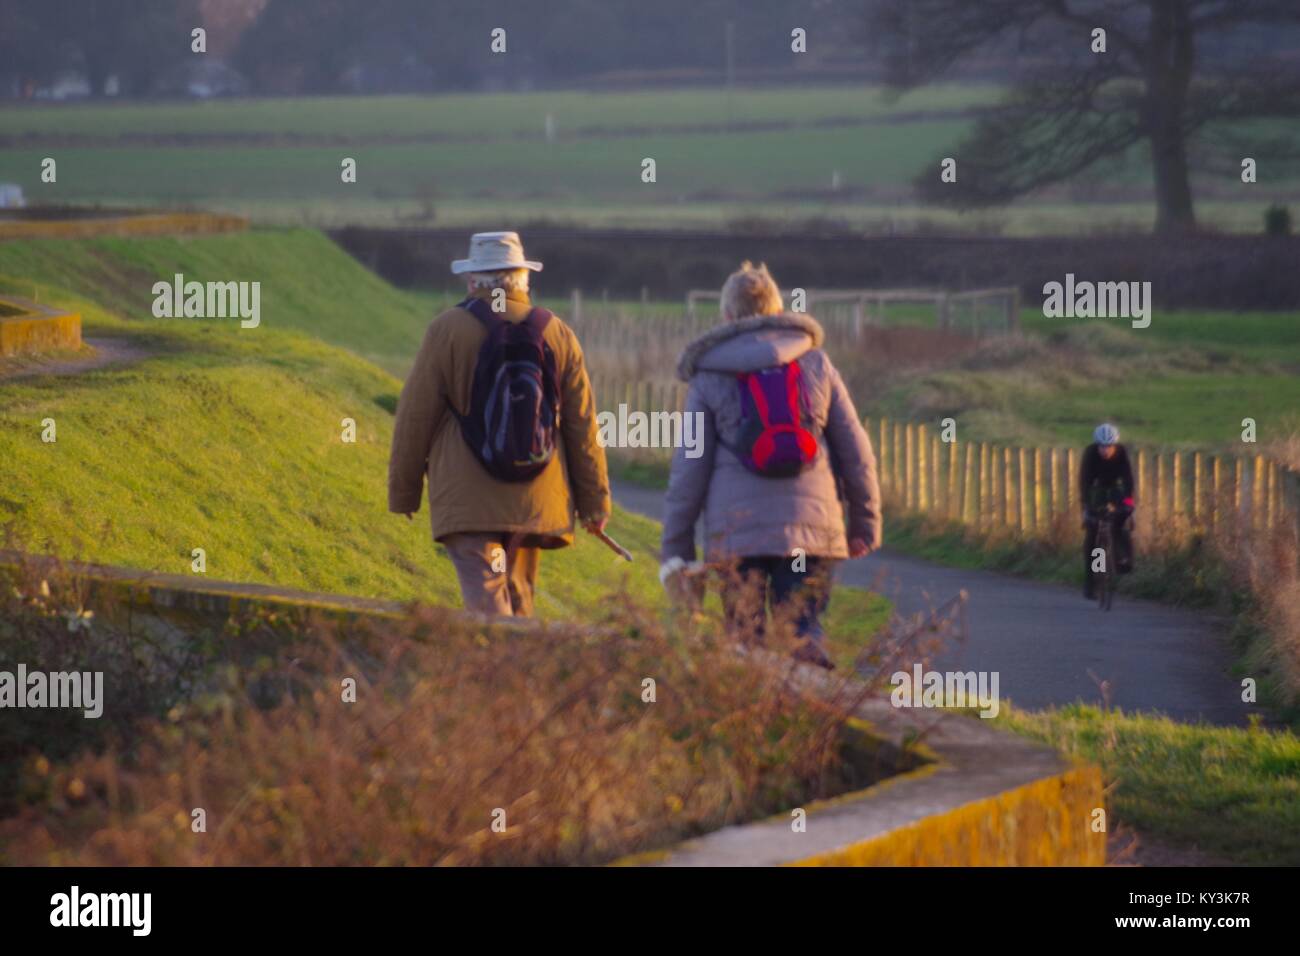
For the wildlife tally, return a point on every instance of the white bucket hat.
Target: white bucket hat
(493, 251)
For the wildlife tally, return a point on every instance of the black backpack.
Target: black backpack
(514, 409)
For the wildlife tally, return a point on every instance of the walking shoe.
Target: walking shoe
(810, 652)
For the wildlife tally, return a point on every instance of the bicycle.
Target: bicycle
(1104, 581)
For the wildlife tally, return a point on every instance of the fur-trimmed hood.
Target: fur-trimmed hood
(760, 341)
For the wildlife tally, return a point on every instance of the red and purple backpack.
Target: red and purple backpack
(776, 440)
(514, 408)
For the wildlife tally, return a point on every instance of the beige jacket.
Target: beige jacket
(427, 441)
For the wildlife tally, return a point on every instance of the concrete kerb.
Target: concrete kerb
(181, 596)
(985, 798)
(164, 593)
(27, 327)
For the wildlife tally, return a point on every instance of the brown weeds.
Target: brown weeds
(465, 743)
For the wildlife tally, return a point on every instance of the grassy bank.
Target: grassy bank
(1233, 793)
(307, 283)
(231, 440)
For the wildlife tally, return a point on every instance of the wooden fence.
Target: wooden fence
(644, 396)
(846, 312)
(663, 329)
(987, 484)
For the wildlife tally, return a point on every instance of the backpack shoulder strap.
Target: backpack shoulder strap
(742, 382)
(480, 310)
(539, 317)
(790, 381)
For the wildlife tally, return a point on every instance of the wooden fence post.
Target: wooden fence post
(909, 470)
(1272, 494)
(1040, 492)
(1257, 508)
(1143, 476)
(1055, 465)
(1008, 489)
(1217, 504)
(997, 505)
(936, 476)
(1197, 488)
(982, 502)
(1158, 501)
(1238, 482)
(922, 468)
(1293, 479)
(1022, 480)
(1178, 485)
(995, 487)
(954, 477)
(882, 465)
(1071, 482)
(900, 489)
(968, 485)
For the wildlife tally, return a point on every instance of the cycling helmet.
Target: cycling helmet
(1106, 434)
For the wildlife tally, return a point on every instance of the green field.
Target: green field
(1185, 382)
(229, 439)
(470, 159)
(496, 115)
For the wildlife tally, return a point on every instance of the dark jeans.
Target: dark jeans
(804, 594)
(1120, 535)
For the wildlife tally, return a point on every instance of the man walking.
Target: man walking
(498, 413)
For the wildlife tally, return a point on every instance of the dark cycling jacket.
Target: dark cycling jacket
(1099, 477)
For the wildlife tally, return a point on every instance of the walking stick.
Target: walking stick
(614, 546)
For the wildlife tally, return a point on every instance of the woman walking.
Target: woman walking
(786, 481)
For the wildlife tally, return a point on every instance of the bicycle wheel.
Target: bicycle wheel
(1106, 586)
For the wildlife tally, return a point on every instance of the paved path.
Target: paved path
(1043, 639)
(108, 352)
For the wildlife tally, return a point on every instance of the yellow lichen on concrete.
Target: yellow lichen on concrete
(26, 332)
(1044, 823)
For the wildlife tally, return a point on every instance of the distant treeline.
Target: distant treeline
(288, 47)
(138, 47)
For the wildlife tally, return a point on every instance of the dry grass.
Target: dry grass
(1264, 568)
(456, 724)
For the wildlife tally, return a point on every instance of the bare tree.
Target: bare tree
(1171, 70)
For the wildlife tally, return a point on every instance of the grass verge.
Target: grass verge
(1231, 792)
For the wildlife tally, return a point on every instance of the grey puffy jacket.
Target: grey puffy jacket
(749, 515)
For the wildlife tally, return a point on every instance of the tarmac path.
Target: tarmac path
(1043, 640)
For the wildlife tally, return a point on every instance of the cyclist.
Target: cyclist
(1105, 477)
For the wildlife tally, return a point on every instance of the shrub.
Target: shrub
(1277, 221)
(454, 722)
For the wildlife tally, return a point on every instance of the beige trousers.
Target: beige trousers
(497, 574)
